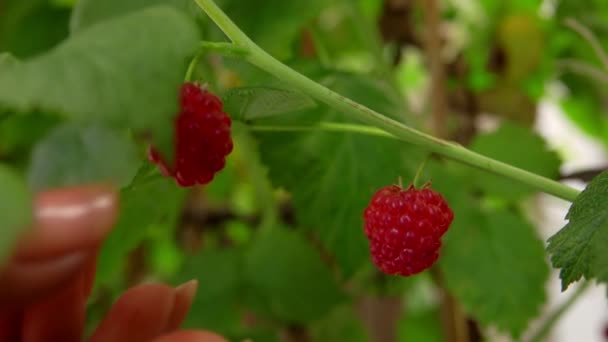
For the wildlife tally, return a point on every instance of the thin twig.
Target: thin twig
(556, 315)
(583, 68)
(586, 33)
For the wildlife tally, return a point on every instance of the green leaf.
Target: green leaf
(249, 103)
(89, 12)
(342, 324)
(519, 147)
(15, 210)
(216, 305)
(493, 262)
(421, 326)
(125, 71)
(74, 154)
(579, 249)
(28, 28)
(291, 279)
(19, 133)
(7, 61)
(150, 199)
(332, 175)
(273, 24)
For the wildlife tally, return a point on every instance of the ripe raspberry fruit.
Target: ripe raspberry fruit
(405, 227)
(202, 138)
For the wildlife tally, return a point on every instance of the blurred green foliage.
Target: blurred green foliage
(276, 240)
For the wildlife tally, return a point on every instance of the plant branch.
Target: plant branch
(555, 316)
(454, 319)
(438, 96)
(451, 150)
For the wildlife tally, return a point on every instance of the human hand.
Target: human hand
(45, 285)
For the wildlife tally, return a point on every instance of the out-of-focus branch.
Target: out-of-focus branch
(586, 33)
(584, 175)
(454, 320)
(432, 43)
(584, 69)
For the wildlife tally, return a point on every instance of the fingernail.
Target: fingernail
(70, 219)
(184, 296)
(187, 290)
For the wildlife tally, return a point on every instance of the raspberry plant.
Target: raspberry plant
(322, 116)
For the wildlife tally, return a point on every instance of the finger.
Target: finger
(69, 219)
(68, 222)
(184, 295)
(10, 325)
(60, 317)
(140, 314)
(191, 336)
(90, 270)
(24, 282)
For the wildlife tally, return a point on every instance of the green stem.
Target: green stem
(325, 126)
(192, 67)
(451, 150)
(227, 49)
(555, 316)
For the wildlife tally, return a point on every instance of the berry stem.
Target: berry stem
(451, 150)
(419, 171)
(192, 67)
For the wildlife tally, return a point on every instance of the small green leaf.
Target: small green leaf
(257, 102)
(519, 147)
(125, 71)
(89, 12)
(150, 199)
(290, 277)
(15, 210)
(74, 154)
(579, 249)
(493, 262)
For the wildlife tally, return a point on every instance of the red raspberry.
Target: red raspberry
(405, 227)
(202, 134)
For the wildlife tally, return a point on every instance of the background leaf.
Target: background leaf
(73, 154)
(579, 249)
(15, 209)
(220, 276)
(28, 28)
(90, 12)
(276, 23)
(85, 77)
(493, 263)
(288, 275)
